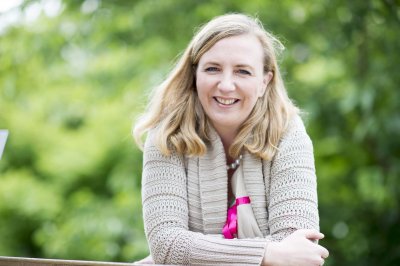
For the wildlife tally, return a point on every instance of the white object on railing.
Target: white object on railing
(3, 139)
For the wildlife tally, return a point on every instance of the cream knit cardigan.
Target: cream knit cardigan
(185, 200)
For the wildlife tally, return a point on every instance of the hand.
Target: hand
(297, 249)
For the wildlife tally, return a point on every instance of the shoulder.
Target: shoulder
(150, 138)
(295, 124)
(295, 130)
(295, 140)
(150, 143)
(152, 152)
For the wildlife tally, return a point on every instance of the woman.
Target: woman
(228, 171)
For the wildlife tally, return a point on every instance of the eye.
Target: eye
(244, 72)
(211, 69)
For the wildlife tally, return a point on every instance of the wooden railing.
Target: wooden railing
(18, 261)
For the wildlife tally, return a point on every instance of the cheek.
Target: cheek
(201, 91)
(201, 85)
(261, 87)
(261, 91)
(198, 81)
(254, 91)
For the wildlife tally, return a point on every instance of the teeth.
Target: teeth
(225, 101)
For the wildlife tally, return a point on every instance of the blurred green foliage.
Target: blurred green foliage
(73, 75)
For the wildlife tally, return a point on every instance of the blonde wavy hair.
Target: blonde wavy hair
(177, 117)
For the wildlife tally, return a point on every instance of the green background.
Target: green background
(74, 75)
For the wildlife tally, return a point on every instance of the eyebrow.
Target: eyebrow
(238, 65)
(211, 63)
(244, 65)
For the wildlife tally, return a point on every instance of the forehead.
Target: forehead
(246, 49)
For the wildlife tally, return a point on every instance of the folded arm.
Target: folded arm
(165, 213)
(293, 202)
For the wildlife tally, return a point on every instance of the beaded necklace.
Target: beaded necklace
(235, 164)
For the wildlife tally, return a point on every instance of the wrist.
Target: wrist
(271, 257)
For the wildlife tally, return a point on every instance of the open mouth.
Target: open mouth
(225, 101)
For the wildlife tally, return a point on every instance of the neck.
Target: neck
(227, 137)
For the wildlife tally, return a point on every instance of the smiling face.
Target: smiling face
(230, 78)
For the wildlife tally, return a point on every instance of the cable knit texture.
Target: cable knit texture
(185, 200)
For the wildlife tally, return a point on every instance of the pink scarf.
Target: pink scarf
(231, 226)
(240, 221)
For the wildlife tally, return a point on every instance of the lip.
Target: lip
(225, 101)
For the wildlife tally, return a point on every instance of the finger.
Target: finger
(324, 253)
(318, 261)
(321, 251)
(311, 234)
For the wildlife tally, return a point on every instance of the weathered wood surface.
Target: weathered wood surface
(18, 261)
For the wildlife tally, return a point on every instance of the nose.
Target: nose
(226, 83)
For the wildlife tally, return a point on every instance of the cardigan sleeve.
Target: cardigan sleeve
(165, 214)
(293, 187)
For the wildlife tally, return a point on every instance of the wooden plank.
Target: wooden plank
(19, 261)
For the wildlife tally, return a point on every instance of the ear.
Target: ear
(266, 80)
